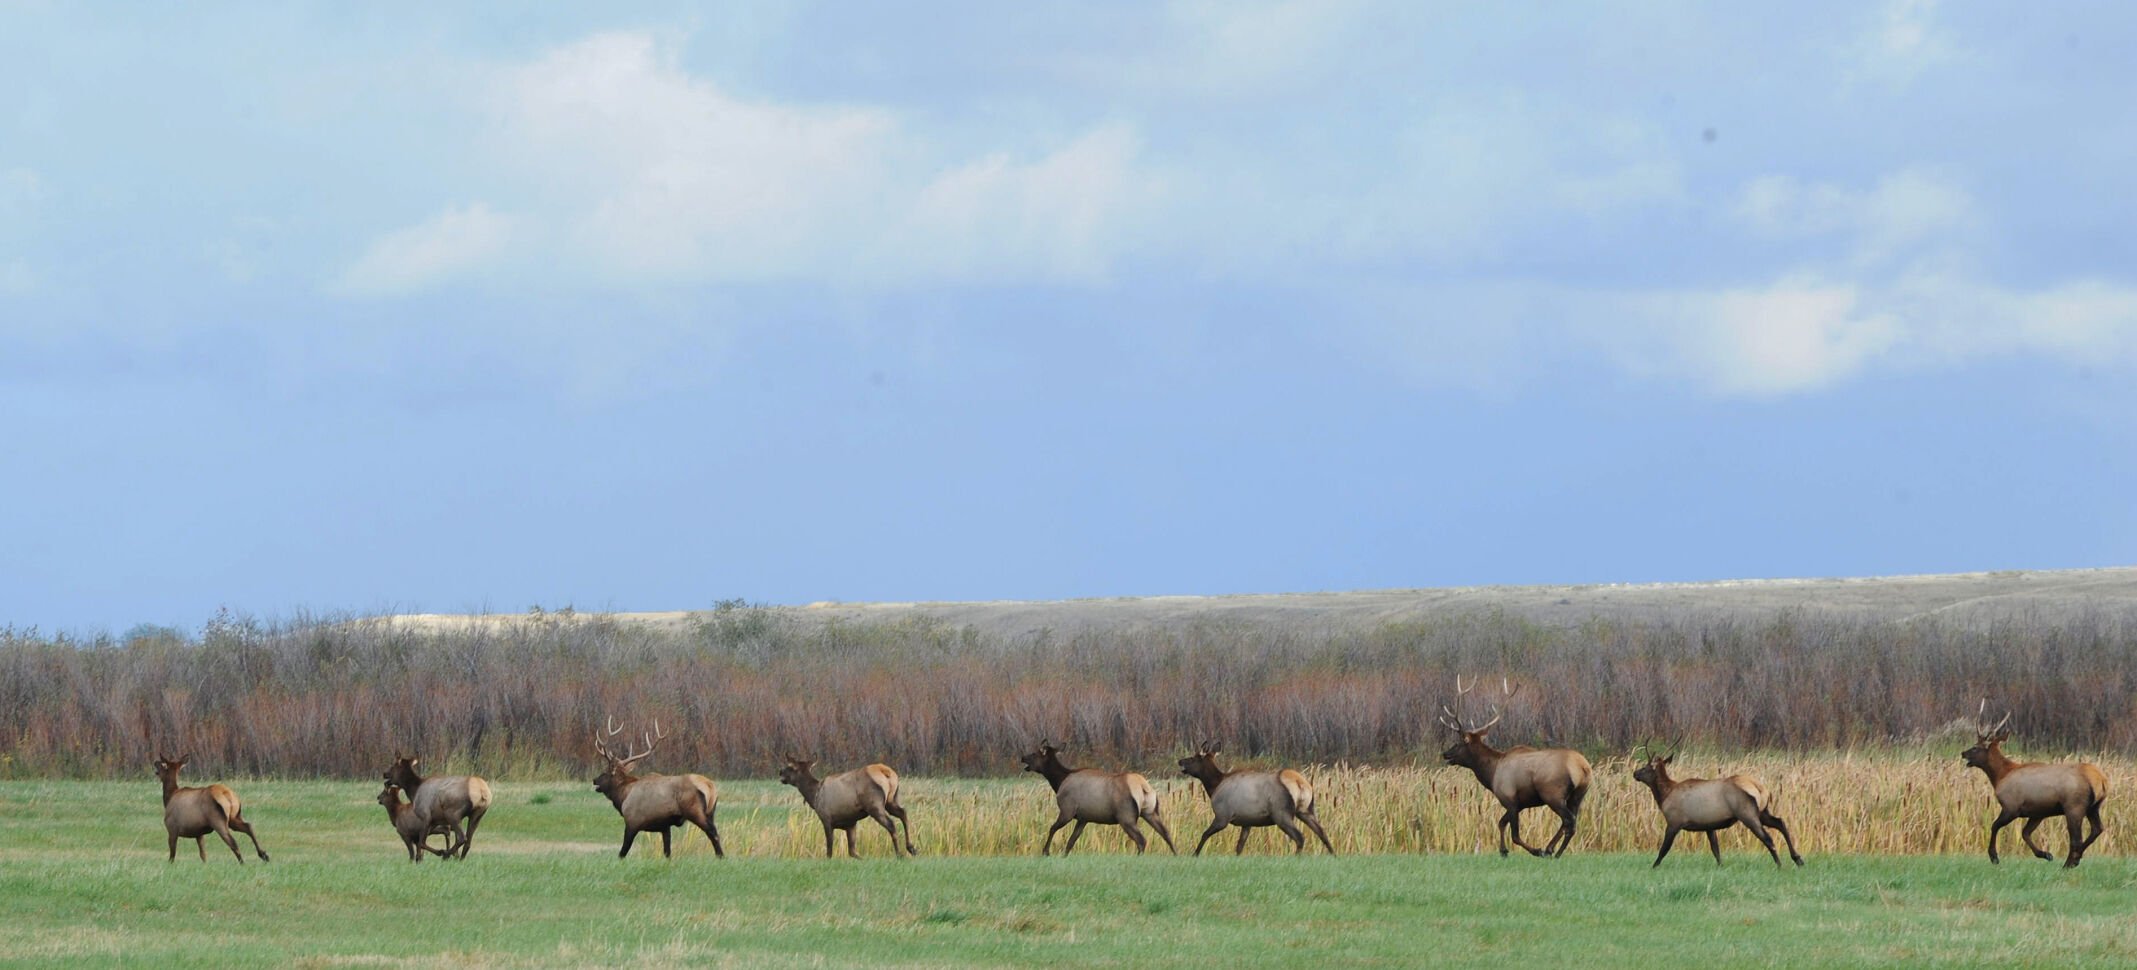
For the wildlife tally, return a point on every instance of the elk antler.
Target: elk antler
(1983, 731)
(1451, 716)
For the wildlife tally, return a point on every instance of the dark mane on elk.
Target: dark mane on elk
(1710, 805)
(1252, 799)
(192, 813)
(2036, 791)
(1089, 795)
(843, 800)
(653, 800)
(1520, 777)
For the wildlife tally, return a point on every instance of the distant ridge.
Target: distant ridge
(1960, 597)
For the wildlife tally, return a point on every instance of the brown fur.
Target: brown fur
(1089, 795)
(1252, 799)
(455, 803)
(192, 813)
(843, 800)
(2037, 792)
(1703, 805)
(414, 834)
(656, 801)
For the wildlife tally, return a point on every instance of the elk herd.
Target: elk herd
(1520, 777)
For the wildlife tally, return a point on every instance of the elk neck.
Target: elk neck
(170, 786)
(810, 786)
(1055, 772)
(1661, 787)
(1997, 764)
(1487, 760)
(1212, 780)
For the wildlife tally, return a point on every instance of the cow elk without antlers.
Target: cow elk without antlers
(1710, 805)
(454, 803)
(653, 800)
(414, 834)
(1087, 795)
(192, 813)
(843, 800)
(1251, 799)
(1520, 777)
(2036, 791)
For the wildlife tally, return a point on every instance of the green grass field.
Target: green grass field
(83, 882)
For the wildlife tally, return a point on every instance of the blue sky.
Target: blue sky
(319, 308)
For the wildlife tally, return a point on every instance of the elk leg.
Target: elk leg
(472, 821)
(665, 833)
(1758, 830)
(712, 832)
(1513, 824)
(829, 841)
(2092, 813)
(1568, 820)
(1714, 843)
(201, 847)
(898, 811)
(174, 848)
(246, 827)
(1314, 823)
(2026, 835)
(1241, 848)
(1774, 822)
(882, 817)
(1669, 838)
(1286, 826)
(1074, 834)
(630, 835)
(1044, 847)
(851, 830)
(1135, 834)
(2002, 819)
(1157, 822)
(1502, 831)
(2074, 822)
(1216, 826)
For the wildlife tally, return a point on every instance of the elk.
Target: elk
(454, 803)
(1710, 805)
(1520, 777)
(653, 800)
(1087, 795)
(2036, 791)
(1251, 799)
(192, 813)
(414, 836)
(843, 800)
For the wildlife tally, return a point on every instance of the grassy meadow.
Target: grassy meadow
(83, 882)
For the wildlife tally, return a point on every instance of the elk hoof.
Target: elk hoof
(2072, 864)
(2049, 856)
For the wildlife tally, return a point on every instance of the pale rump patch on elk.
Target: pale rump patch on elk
(414, 834)
(454, 803)
(2036, 791)
(1520, 777)
(1710, 805)
(1253, 799)
(1089, 795)
(843, 800)
(653, 800)
(192, 813)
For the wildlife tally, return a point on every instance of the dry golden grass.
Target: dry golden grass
(1836, 803)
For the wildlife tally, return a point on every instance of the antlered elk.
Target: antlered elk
(1250, 799)
(654, 801)
(454, 803)
(843, 800)
(1089, 795)
(192, 813)
(1710, 805)
(414, 835)
(1520, 777)
(2036, 792)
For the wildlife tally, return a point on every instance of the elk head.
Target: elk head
(403, 773)
(1654, 770)
(1202, 765)
(391, 797)
(167, 767)
(796, 770)
(1047, 756)
(616, 775)
(1987, 739)
(1469, 749)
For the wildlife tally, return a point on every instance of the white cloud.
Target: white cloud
(1795, 335)
(639, 171)
(1902, 42)
(1902, 213)
(448, 244)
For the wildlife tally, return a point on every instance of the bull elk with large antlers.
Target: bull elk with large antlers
(843, 800)
(653, 800)
(2036, 791)
(192, 813)
(1252, 799)
(1520, 777)
(1710, 805)
(454, 803)
(1087, 795)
